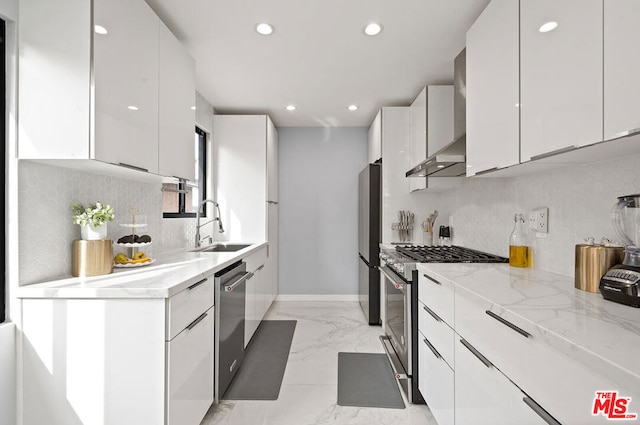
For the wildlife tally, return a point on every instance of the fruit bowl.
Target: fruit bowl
(129, 265)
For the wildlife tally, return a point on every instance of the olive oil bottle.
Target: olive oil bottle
(519, 250)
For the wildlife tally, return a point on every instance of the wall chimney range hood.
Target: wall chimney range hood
(450, 161)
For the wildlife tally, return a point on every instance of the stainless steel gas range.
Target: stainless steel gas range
(399, 315)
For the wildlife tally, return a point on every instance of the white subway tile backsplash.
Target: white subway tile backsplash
(45, 228)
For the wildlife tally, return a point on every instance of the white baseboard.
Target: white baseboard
(316, 297)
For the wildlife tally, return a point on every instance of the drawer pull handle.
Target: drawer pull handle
(197, 284)
(507, 323)
(259, 268)
(432, 348)
(133, 167)
(540, 411)
(431, 279)
(476, 353)
(432, 313)
(195, 322)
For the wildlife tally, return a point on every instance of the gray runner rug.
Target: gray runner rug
(261, 373)
(367, 380)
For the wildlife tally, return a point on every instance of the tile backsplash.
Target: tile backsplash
(45, 227)
(579, 198)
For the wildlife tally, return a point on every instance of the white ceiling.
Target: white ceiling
(318, 58)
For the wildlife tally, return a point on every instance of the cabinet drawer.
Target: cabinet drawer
(190, 372)
(440, 335)
(437, 294)
(556, 380)
(483, 395)
(185, 306)
(435, 382)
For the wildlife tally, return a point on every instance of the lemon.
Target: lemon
(120, 259)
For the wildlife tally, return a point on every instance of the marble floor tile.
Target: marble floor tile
(309, 390)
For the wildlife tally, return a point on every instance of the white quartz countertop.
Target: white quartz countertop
(603, 335)
(168, 275)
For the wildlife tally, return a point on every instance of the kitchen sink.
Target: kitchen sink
(224, 247)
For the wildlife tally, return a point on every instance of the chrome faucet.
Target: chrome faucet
(198, 225)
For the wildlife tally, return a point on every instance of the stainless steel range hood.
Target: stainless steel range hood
(450, 161)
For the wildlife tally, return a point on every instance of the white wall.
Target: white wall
(318, 194)
(8, 374)
(579, 199)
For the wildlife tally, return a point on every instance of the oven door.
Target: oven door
(397, 315)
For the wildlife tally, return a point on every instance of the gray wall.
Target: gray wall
(318, 194)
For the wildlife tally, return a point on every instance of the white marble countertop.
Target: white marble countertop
(603, 335)
(168, 275)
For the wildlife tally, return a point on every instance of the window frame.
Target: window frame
(202, 182)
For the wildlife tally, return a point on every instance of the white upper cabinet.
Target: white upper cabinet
(272, 162)
(125, 99)
(375, 138)
(439, 118)
(54, 79)
(177, 98)
(561, 76)
(126, 84)
(492, 89)
(621, 67)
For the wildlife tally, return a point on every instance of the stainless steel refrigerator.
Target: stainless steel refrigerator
(369, 237)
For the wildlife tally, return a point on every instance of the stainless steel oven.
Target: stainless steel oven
(400, 309)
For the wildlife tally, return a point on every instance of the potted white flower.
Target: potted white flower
(92, 219)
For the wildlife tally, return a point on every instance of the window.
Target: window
(181, 198)
(3, 276)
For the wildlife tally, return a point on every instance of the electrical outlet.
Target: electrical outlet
(539, 219)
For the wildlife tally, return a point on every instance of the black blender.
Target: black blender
(621, 282)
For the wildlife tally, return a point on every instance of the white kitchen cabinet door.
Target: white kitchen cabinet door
(435, 382)
(439, 118)
(126, 84)
(561, 76)
(250, 301)
(418, 146)
(190, 372)
(54, 79)
(271, 265)
(493, 84)
(483, 395)
(240, 149)
(272, 162)
(176, 99)
(621, 67)
(375, 139)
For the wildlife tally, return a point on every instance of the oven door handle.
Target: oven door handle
(399, 284)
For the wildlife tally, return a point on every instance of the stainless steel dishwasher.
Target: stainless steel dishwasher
(229, 326)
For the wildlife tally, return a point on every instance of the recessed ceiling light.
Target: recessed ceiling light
(264, 29)
(193, 108)
(352, 107)
(373, 29)
(440, 166)
(132, 108)
(99, 29)
(291, 108)
(549, 26)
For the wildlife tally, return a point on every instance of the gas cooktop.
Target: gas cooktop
(447, 254)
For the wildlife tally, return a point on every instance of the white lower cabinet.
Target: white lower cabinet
(259, 291)
(435, 382)
(483, 395)
(119, 361)
(189, 371)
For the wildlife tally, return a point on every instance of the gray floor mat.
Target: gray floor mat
(261, 373)
(367, 380)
